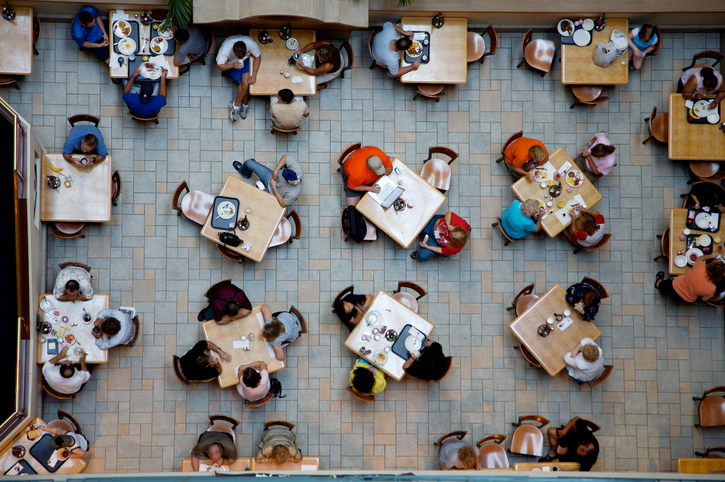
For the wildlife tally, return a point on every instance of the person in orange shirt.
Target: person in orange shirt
(523, 154)
(699, 282)
(361, 169)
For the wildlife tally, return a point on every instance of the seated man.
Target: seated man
(279, 329)
(73, 283)
(523, 154)
(75, 443)
(142, 101)
(288, 189)
(112, 328)
(217, 446)
(286, 111)
(233, 59)
(573, 443)
(190, 45)
(88, 31)
(226, 304)
(278, 446)
(366, 379)
(85, 139)
(64, 377)
(706, 194)
(388, 46)
(361, 169)
(202, 362)
(585, 362)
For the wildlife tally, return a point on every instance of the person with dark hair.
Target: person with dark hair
(203, 362)
(700, 81)
(254, 381)
(446, 235)
(226, 304)
(233, 59)
(143, 99)
(360, 171)
(642, 40)
(86, 139)
(287, 111)
(89, 32)
(279, 329)
(573, 443)
(585, 362)
(388, 46)
(366, 379)
(523, 154)
(284, 182)
(190, 45)
(587, 228)
(699, 282)
(115, 328)
(351, 308)
(278, 445)
(73, 283)
(215, 445)
(64, 377)
(75, 444)
(328, 62)
(706, 193)
(584, 299)
(597, 157)
(429, 364)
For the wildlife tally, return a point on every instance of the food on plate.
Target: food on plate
(124, 27)
(156, 48)
(566, 27)
(70, 338)
(227, 209)
(693, 257)
(380, 357)
(415, 49)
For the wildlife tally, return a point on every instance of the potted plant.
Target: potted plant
(179, 14)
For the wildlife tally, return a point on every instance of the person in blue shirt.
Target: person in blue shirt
(85, 139)
(518, 221)
(89, 32)
(142, 102)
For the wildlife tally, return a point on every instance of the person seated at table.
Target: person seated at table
(360, 171)
(279, 329)
(699, 282)
(351, 308)
(286, 111)
(584, 299)
(202, 362)
(523, 154)
(112, 328)
(573, 443)
(587, 228)
(366, 379)
(597, 157)
(287, 190)
(86, 139)
(705, 193)
(700, 81)
(278, 446)
(585, 363)
(64, 377)
(642, 40)
(233, 59)
(254, 382)
(522, 218)
(73, 284)
(190, 45)
(75, 443)
(447, 235)
(388, 46)
(142, 99)
(226, 304)
(428, 364)
(217, 446)
(457, 454)
(89, 32)
(328, 62)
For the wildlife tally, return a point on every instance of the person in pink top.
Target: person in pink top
(699, 282)
(597, 157)
(700, 81)
(254, 381)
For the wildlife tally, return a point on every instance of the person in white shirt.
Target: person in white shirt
(585, 362)
(233, 58)
(73, 283)
(65, 378)
(112, 328)
(75, 443)
(387, 47)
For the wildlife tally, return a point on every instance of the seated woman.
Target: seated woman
(200, 364)
(351, 309)
(73, 284)
(278, 446)
(429, 364)
(584, 299)
(642, 40)
(597, 157)
(254, 382)
(706, 193)
(587, 229)
(280, 328)
(112, 328)
(522, 218)
(699, 282)
(700, 81)
(328, 61)
(573, 443)
(585, 362)
(367, 379)
(457, 454)
(447, 235)
(75, 443)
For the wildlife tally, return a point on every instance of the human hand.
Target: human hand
(375, 188)
(243, 313)
(272, 182)
(83, 355)
(64, 351)
(697, 205)
(530, 175)
(164, 73)
(192, 57)
(423, 245)
(226, 357)
(253, 79)
(416, 65)
(713, 104)
(585, 150)
(579, 307)
(238, 64)
(697, 96)
(137, 72)
(409, 34)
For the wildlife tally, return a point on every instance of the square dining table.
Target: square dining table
(577, 64)
(274, 61)
(526, 189)
(701, 465)
(404, 226)
(262, 210)
(395, 316)
(550, 350)
(16, 43)
(546, 466)
(448, 56)
(678, 223)
(225, 337)
(88, 200)
(693, 142)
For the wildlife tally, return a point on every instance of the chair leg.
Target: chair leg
(699, 454)
(494, 224)
(575, 103)
(35, 50)
(416, 96)
(156, 121)
(521, 63)
(15, 84)
(646, 140)
(659, 257)
(506, 243)
(295, 133)
(646, 119)
(500, 159)
(272, 131)
(203, 60)
(438, 99)
(578, 250)
(372, 65)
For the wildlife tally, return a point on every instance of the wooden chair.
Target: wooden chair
(370, 49)
(508, 142)
(209, 39)
(537, 54)
(9, 80)
(72, 120)
(711, 410)
(176, 363)
(523, 300)
(347, 48)
(276, 129)
(664, 245)
(492, 42)
(347, 152)
(77, 264)
(705, 171)
(658, 126)
(475, 47)
(587, 95)
(405, 298)
(281, 423)
(36, 34)
(371, 233)
(300, 319)
(154, 119)
(456, 435)
(68, 230)
(216, 285)
(527, 439)
(258, 403)
(705, 54)
(508, 238)
(600, 379)
(437, 172)
(449, 364)
(51, 391)
(117, 187)
(712, 453)
(215, 425)
(195, 206)
(341, 294)
(361, 396)
(137, 328)
(528, 356)
(284, 230)
(579, 248)
(596, 285)
(492, 455)
(659, 42)
(229, 254)
(430, 91)
(66, 422)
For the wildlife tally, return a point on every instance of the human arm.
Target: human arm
(634, 48)
(324, 68)
(195, 463)
(408, 68)
(84, 368)
(569, 426)
(362, 188)
(277, 194)
(77, 453)
(162, 86)
(278, 353)
(57, 358)
(539, 220)
(257, 365)
(136, 73)
(282, 162)
(435, 249)
(226, 357)
(177, 62)
(405, 33)
(53, 430)
(100, 23)
(255, 68)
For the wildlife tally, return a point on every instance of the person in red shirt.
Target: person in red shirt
(523, 154)
(226, 304)
(587, 228)
(699, 282)
(360, 171)
(445, 235)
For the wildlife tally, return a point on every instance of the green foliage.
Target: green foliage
(404, 3)
(179, 14)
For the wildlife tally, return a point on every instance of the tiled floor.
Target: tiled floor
(139, 418)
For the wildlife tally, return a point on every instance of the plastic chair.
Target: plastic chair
(705, 171)
(658, 126)
(597, 286)
(154, 119)
(430, 91)
(258, 403)
(371, 232)
(523, 300)
(406, 299)
(347, 48)
(195, 206)
(508, 239)
(664, 245)
(492, 42)
(370, 49)
(117, 187)
(229, 254)
(537, 54)
(437, 172)
(361, 396)
(705, 54)
(68, 230)
(527, 439)
(66, 422)
(72, 120)
(137, 327)
(284, 230)
(508, 142)
(492, 455)
(587, 95)
(711, 410)
(475, 47)
(216, 426)
(276, 129)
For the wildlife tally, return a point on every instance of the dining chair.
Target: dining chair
(195, 205)
(528, 356)
(705, 54)
(537, 54)
(68, 230)
(370, 49)
(596, 285)
(215, 425)
(590, 426)
(587, 95)
(341, 294)
(371, 232)
(216, 285)
(523, 300)
(705, 171)
(117, 187)
(72, 120)
(9, 80)
(53, 393)
(229, 254)
(281, 423)
(405, 298)
(347, 48)
(361, 396)
(508, 238)
(492, 42)
(137, 331)
(300, 319)
(36, 34)
(475, 47)
(430, 91)
(664, 245)
(491, 454)
(450, 436)
(276, 129)
(657, 46)
(436, 171)
(284, 230)
(209, 40)
(658, 126)
(711, 410)
(579, 248)
(176, 363)
(258, 403)
(600, 379)
(347, 152)
(508, 142)
(527, 438)
(77, 264)
(155, 118)
(66, 422)
(712, 453)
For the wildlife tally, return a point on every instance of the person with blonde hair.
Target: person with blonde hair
(278, 446)
(445, 235)
(457, 454)
(585, 362)
(522, 218)
(523, 154)
(279, 329)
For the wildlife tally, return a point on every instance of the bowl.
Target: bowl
(680, 261)
(588, 24)
(705, 240)
(568, 312)
(713, 118)
(550, 320)
(243, 337)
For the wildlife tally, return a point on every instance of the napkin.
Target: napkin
(296, 79)
(120, 15)
(550, 169)
(564, 168)
(260, 320)
(113, 62)
(240, 345)
(213, 468)
(161, 61)
(564, 216)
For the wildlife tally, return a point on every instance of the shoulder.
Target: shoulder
(388, 25)
(600, 219)
(581, 235)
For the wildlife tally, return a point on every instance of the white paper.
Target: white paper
(129, 310)
(260, 320)
(308, 467)
(161, 61)
(296, 79)
(240, 345)
(565, 167)
(564, 216)
(565, 323)
(213, 468)
(113, 62)
(550, 170)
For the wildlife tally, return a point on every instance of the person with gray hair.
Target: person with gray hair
(360, 171)
(521, 219)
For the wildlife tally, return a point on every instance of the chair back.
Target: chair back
(452, 155)
(492, 455)
(298, 224)
(83, 118)
(281, 423)
(527, 439)
(524, 42)
(177, 194)
(712, 453)
(492, 42)
(475, 47)
(510, 140)
(712, 408)
(51, 391)
(705, 54)
(528, 356)
(508, 238)
(341, 294)
(345, 46)
(282, 234)
(9, 80)
(68, 230)
(154, 119)
(437, 173)
(431, 91)
(413, 286)
(457, 434)
(526, 290)
(659, 41)
(117, 187)
(370, 49)
(215, 419)
(229, 254)
(218, 284)
(598, 245)
(176, 363)
(66, 422)
(77, 264)
(258, 403)
(63, 425)
(347, 152)
(361, 396)
(286, 131)
(196, 205)
(137, 329)
(300, 318)
(597, 286)
(36, 33)
(600, 379)
(665, 243)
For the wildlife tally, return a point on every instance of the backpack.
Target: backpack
(353, 224)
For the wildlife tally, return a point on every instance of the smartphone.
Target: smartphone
(52, 346)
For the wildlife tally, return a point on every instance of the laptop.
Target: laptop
(389, 192)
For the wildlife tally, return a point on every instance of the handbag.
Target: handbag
(604, 54)
(229, 239)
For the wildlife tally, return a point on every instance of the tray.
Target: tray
(690, 222)
(569, 40)
(399, 345)
(702, 120)
(136, 63)
(134, 35)
(42, 451)
(25, 468)
(171, 42)
(228, 224)
(690, 243)
(420, 37)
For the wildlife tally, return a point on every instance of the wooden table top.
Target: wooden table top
(274, 60)
(448, 62)
(307, 463)
(545, 467)
(122, 71)
(678, 223)
(224, 337)
(7, 459)
(525, 189)
(550, 350)
(82, 332)
(577, 63)
(88, 200)
(700, 465)
(263, 220)
(692, 142)
(239, 465)
(395, 316)
(16, 43)
(404, 226)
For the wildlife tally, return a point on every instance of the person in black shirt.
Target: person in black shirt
(706, 193)
(430, 365)
(351, 309)
(573, 443)
(584, 299)
(200, 364)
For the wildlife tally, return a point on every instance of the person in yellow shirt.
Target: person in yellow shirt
(366, 379)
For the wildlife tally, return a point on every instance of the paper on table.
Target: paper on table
(565, 167)
(119, 15)
(550, 170)
(161, 61)
(113, 62)
(564, 216)
(240, 345)
(308, 467)
(213, 468)
(260, 320)
(296, 79)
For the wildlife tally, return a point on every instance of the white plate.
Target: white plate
(380, 357)
(562, 32)
(127, 46)
(225, 210)
(588, 24)
(413, 343)
(415, 50)
(680, 261)
(46, 305)
(373, 318)
(701, 109)
(150, 71)
(713, 118)
(577, 175)
(705, 240)
(692, 251)
(582, 37)
(307, 60)
(702, 221)
(292, 43)
(120, 26)
(540, 174)
(166, 34)
(158, 46)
